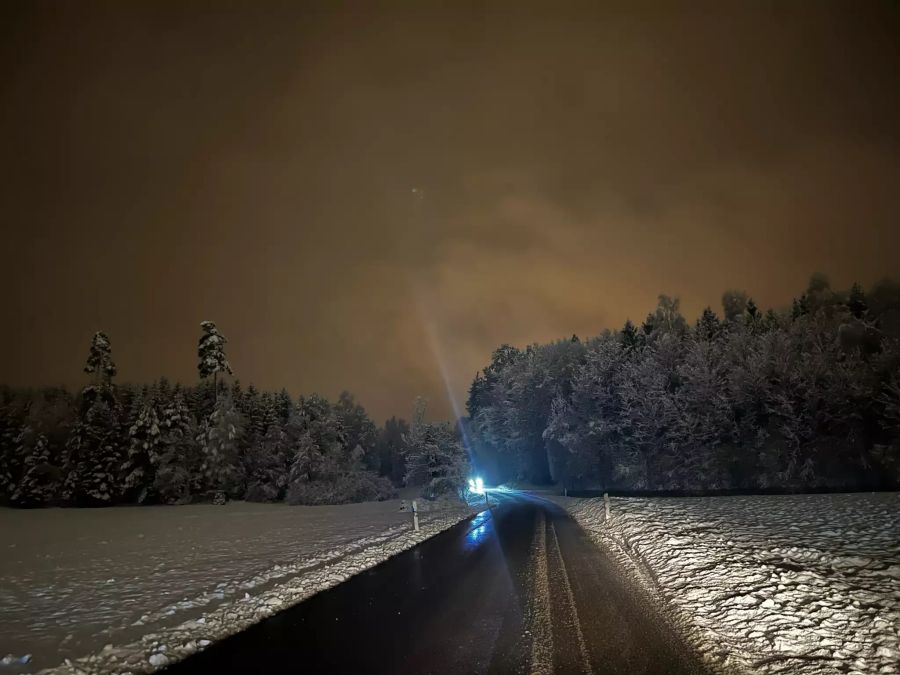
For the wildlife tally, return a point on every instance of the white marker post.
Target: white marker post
(415, 510)
(606, 504)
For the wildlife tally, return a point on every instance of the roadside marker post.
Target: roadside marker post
(415, 511)
(606, 504)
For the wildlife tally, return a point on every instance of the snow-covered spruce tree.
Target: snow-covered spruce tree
(814, 395)
(308, 460)
(94, 458)
(248, 400)
(648, 331)
(318, 417)
(585, 424)
(178, 465)
(320, 438)
(645, 397)
(219, 438)
(770, 320)
(890, 402)
(435, 459)
(486, 406)
(11, 424)
(885, 456)
(100, 363)
(266, 415)
(708, 325)
(359, 428)
(482, 391)
(211, 354)
(237, 395)
(324, 468)
(523, 395)
(416, 435)
(201, 400)
(41, 447)
(284, 405)
(629, 335)
(266, 465)
(127, 396)
(248, 405)
(162, 389)
(144, 446)
(390, 449)
(333, 477)
(264, 436)
(274, 447)
(572, 460)
(40, 477)
(703, 419)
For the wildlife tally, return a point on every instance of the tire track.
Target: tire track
(537, 618)
(569, 661)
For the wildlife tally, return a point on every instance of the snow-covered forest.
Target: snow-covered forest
(803, 398)
(167, 443)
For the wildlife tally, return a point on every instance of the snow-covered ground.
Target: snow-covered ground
(771, 584)
(134, 588)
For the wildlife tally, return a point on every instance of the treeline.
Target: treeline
(164, 443)
(804, 398)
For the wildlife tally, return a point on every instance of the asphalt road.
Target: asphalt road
(518, 589)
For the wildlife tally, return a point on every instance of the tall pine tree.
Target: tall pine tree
(211, 354)
(100, 362)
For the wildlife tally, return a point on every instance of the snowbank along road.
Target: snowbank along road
(790, 584)
(134, 589)
(518, 589)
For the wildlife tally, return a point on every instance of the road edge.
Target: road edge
(633, 567)
(155, 651)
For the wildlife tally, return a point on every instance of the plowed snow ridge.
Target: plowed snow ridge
(770, 584)
(111, 589)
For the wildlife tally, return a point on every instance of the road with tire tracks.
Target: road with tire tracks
(517, 589)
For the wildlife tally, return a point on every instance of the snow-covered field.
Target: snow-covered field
(134, 588)
(771, 584)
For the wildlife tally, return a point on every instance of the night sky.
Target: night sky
(362, 198)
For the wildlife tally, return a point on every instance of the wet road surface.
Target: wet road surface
(517, 589)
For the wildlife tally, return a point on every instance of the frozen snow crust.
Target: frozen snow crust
(135, 589)
(769, 584)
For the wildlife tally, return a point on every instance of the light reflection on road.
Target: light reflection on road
(480, 527)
